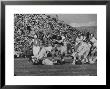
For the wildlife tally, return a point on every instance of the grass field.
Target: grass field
(24, 68)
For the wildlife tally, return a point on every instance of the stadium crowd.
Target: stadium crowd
(40, 36)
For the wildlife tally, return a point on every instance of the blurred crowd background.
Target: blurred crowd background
(27, 25)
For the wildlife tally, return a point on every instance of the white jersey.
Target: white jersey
(84, 38)
(77, 39)
(94, 41)
(36, 50)
(36, 47)
(35, 42)
(81, 38)
(63, 37)
(47, 62)
(83, 49)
